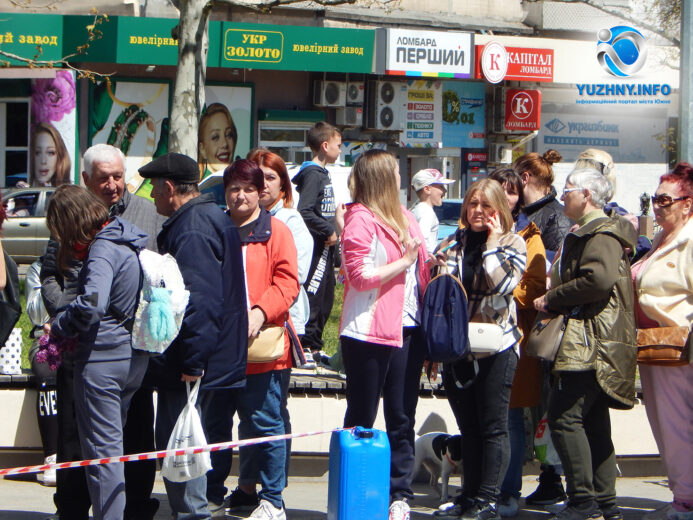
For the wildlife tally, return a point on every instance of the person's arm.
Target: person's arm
(304, 245)
(596, 277)
(358, 259)
(533, 282)
(504, 263)
(3, 269)
(51, 289)
(309, 207)
(94, 299)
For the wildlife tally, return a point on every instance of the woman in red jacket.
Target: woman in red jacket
(271, 276)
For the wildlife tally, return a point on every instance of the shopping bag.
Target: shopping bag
(11, 354)
(543, 445)
(187, 433)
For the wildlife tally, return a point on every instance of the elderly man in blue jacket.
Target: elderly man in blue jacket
(213, 340)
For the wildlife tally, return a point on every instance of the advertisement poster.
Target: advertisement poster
(53, 131)
(132, 116)
(463, 110)
(226, 126)
(423, 114)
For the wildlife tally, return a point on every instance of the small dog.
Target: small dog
(441, 455)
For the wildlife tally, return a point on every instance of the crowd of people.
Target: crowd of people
(264, 269)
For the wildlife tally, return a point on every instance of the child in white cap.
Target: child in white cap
(429, 185)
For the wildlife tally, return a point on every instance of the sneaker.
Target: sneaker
(217, 510)
(239, 500)
(399, 510)
(508, 506)
(550, 490)
(609, 513)
(49, 478)
(310, 362)
(668, 513)
(266, 511)
(481, 510)
(454, 509)
(584, 512)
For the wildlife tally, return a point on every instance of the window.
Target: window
(14, 141)
(286, 139)
(22, 205)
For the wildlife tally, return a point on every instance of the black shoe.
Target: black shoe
(581, 512)
(609, 513)
(239, 499)
(481, 510)
(550, 490)
(147, 512)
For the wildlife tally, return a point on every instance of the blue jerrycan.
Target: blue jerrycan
(359, 481)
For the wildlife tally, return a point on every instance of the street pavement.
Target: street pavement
(306, 498)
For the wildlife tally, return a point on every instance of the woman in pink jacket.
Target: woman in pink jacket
(383, 257)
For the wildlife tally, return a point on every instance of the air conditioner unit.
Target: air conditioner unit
(349, 116)
(354, 93)
(500, 153)
(329, 94)
(386, 105)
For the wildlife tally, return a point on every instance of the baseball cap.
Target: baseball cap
(427, 177)
(173, 166)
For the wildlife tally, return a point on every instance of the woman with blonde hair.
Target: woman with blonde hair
(216, 139)
(490, 259)
(50, 162)
(384, 261)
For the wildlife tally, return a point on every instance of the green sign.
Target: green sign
(32, 36)
(287, 47)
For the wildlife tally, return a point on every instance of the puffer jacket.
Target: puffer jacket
(597, 293)
(547, 214)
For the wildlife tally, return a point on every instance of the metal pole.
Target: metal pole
(686, 75)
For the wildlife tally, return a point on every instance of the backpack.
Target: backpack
(445, 319)
(160, 306)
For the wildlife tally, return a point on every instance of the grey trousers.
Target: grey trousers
(103, 390)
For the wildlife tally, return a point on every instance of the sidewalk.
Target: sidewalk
(306, 498)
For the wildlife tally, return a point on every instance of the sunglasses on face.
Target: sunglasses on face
(664, 201)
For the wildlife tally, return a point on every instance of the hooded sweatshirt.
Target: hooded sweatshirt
(316, 204)
(110, 278)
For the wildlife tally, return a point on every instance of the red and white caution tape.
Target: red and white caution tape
(163, 453)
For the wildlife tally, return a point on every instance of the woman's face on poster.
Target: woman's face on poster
(45, 158)
(217, 144)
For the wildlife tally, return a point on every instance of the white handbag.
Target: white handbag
(11, 354)
(485, 338)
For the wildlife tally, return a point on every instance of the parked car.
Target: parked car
(448, 217)
(24, 233)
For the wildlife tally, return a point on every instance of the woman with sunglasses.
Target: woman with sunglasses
(594, 369)
(663, 281)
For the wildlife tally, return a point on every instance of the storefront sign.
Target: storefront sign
(463, 108)
(522, 109)
(33, 36)
(425, 53)
(494, 62)
(524, 64)
(423, 115)
(287, 47)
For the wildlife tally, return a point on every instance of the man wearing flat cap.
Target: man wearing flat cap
(212, 343)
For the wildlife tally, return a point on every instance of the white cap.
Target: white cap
(427, 177)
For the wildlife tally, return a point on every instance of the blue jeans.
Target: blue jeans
(512, 484)
(259, 410)
(217, 424)
(188, 500)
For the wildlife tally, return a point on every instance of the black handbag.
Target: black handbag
(10, 307)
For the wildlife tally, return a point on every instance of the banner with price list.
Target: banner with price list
(422, 128)
(464, 105)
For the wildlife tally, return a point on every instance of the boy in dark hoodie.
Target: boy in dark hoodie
(317, 207)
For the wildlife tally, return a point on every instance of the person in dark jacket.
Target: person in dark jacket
(107, 369)
(213, 340)
(541, 206)
(104, 176)
(595, 362)
(317, 207)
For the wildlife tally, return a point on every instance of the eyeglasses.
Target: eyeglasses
(664, 201)
(568, 190)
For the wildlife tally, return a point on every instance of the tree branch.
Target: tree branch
(663, 32)
(265, 6)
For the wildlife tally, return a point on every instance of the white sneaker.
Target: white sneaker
(266, 511)
(217, 510)
(399, 510)
(49, 477)
(310, 362)
(508, 506)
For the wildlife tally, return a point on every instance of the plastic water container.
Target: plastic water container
(359, 482)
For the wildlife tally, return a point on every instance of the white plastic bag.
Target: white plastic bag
(187, 433)
(11, 354)
(543, 445)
